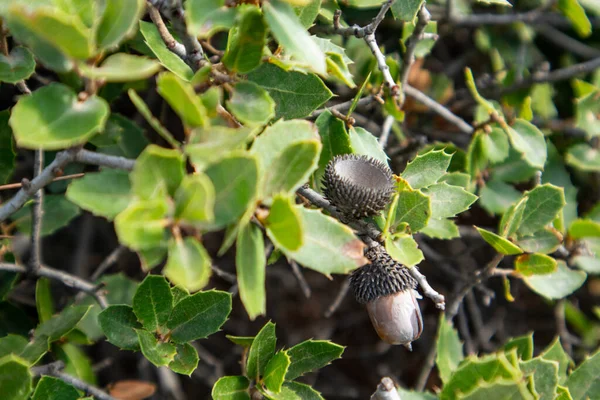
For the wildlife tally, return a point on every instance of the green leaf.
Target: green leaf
(195, 199)
(199, 315)
(251, 104)
(447, 200)
(584, 381)
(181, 97)
(167, 58)
(206, 17)
(589, 264)
(297, 391)
(497, 196)
(584, 228)
(310, 355)
(307, 13)
(119, 324)
(296, 95)
(423, 48)
(246, 42)
(61, 324)
(58, 212)
(410, 395)
(156, 170)
(141, 226)
(7, 151)
(105, 193)
(555, 352)
(43, 300)
(12, 344)
(334, 137)
(121, 67)
(15, 378)
(586, 113)
(153, 302)
(583, 157)
(145, 112)
(276, 370)
(186, 359)
(535, 264)
(188, 264)
(121, 137)
(250, 262)
(35, 350)
(284, 224)
(413, 208)
(231, 388)
(235, 179)
(363, 142)
(500, 244)
(53, 118)
(500, 389)
(512, 218)
(500, 2)
(406, 10)
(18, 65)
(405, 250)
(514, 169)
(292, 36)
(528, 140)
(77, 363)
(292, 168)
(427, 168)
(338, 70)
(555, 172)
(576, 14)
(441, 229)
(244, 341)
(556, 285)
(211, 144)
(261, 351)
(50, 388)
(329, 246)
(449, 349)
(158, 353)
(543, 204)
(117, 22)
(522, 344)
(545, 241)
(545, 376)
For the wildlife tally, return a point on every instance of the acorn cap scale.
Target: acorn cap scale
(358, 186)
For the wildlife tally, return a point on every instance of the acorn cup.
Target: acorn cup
(358, 186)
(388, 290)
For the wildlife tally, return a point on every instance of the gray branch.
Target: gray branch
(37, 212)
(55, 369)
(411, 44)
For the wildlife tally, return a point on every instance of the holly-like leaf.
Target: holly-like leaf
(181, 97)
(186, 359)
(188, 264)
(497, 196)
(308, 12)
(166, 57)
(276, 370)
(15, 378)
(16, 66)
(449, 349)
(53, 118)
(545, 375)
(250, 262)
(199, 315)
(405, 250)
(119, 324)
(543, 204)
(296, 95)
(426, 168)
(261, 351)
(528, 140)
(500, 244)
(584, 381)
(363, 142)
(413, 208)
(310, 355)
(105, 193)
(231, 388)
(246, 42)
(121, 67)
(447, 200)
(51, 388)
(153, 302)
(522, 344)
(499, 389)
(61, 324)
(158, 353)
(558, 284)
(555, 352)
(117, 22)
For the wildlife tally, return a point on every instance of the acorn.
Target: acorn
(388, 290)
(358, 186)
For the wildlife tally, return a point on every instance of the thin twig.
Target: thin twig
(338, 299)
(342, 107)
(54, 369)
(37, 213)
(428, 291)
(428, 365)
(9, 186)
(385, 131)
(567, 42)
(229, 277)
(65, 278)
(386, 390)
(534, 17)
(104, 160)
(411, 45)
(166, 36)
(300, 278)
(463, 327)
(108, 262)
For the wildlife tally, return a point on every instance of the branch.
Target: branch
(37, 212)
(345, 106)
(65, 278)
(567, 42)
(385, 130)
(54, 369)
(386, 390)
(411, 44)
(166, 36)
(104, 160)
(19, 185)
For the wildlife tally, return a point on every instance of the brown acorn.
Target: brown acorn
(358, 186)
(388, 290)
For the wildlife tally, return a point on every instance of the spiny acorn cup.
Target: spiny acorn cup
(358, 186)
(388, 290)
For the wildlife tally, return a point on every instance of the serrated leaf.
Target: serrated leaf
(499, 390)
(231, 388)
(497, 197)
(141, 226)
(181, 97)
(292, 168)
(426, 168)
(261, 351)
(51, 388)
(105, 193)
(447, 200)
(543, 204)
(556, 285)
(61, 324)
(186, 359)
(528, 140)
(363, 142)
(167, 58)
(584, 381)
(12, 344)
(15, 378)
(500, 244)
(413, 208)
(153, 302)
(441, 229)
(188, 264)
(583, 157)
(449, 349)
(296, 391)
(576, 14)
(555, 352)
(235, 179)
(284, 224)
(121, 67)
(199, 315)
(250, 262)
(158, 353)
(512, 218)
(545, 376)
(251, 104)
(522, 344)
(117, 22)
(195, 199)
(310, 355)
(16, 66)
(405, 250)
(119, 324)
(296, 95)
(53, 118)
(307, 13)
(328, 246)
(291, 35)
(276, 370)
(246, 42)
